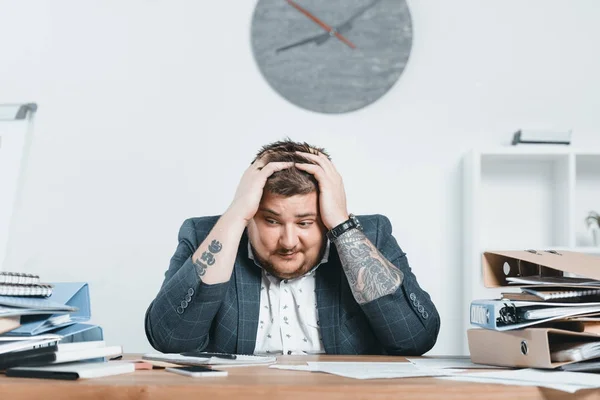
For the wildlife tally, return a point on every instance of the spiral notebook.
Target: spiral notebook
(561, 293)
(18, 278)
(35, 290)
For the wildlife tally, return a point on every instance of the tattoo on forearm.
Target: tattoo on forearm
(208, 257)
(370, 275)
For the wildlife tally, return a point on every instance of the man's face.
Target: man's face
(287, 235)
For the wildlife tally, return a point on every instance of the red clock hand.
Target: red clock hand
(322, 24)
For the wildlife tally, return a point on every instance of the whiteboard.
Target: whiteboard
(16, 124)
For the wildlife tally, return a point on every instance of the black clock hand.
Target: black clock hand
(318, 39)
(324, 37)
(302, 42)
(347, 25)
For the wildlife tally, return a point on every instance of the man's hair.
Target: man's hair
(292, 181)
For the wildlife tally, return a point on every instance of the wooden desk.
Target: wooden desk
(265, 383)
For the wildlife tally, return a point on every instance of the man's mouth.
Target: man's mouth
(287, 255)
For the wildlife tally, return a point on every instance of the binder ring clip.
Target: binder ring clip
(524, 348)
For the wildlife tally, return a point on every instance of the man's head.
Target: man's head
(286, 234)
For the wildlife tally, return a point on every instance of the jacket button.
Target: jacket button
(425, 315)
(179, 310)
(191, 291)
(184, 304)
(188, 298)
(412, 296)
(421, 309)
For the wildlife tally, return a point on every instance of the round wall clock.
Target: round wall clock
(331, 56)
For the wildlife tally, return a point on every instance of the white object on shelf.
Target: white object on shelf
(15, 135)
(522, 198)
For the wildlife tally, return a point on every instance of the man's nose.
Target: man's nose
(288, 239)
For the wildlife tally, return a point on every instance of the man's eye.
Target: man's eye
(271, 221)
(305, 223)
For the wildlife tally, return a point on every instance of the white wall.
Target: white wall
(150, 111)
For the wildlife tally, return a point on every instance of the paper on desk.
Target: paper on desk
(292, 367)
(558, 380)
(368, 370)
(449, 362)
(562, 388)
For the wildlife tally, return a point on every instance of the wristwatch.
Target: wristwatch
(345, 226)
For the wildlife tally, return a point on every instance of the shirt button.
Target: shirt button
(289, 352)
(285, 281)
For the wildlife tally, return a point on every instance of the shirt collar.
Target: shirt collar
(324, 259)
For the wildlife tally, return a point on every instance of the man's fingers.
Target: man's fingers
(312, 169)
(272, 167)
(320, 159)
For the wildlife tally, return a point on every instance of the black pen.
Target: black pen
(208, 355)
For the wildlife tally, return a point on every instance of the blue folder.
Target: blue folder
(74, 294)
(79, 333)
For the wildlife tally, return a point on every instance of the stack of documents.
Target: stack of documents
(551, 321)
(36, 331)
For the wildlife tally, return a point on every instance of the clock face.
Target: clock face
(331, 56)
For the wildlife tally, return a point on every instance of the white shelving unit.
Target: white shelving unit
(517, 198)
(16, 124)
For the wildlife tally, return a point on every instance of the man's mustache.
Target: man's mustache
(286, 251)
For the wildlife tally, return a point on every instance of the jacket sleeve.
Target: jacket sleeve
(405, 322)
(181, 315)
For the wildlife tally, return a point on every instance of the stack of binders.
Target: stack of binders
(551, 321)
(44, 325)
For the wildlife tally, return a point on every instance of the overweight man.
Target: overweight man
(286, 269)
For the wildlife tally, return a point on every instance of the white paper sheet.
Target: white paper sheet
(373, 370)
(559, 380)
(292, 367)
(449, 362)
(562, 388)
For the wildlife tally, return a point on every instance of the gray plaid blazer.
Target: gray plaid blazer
(188, 314)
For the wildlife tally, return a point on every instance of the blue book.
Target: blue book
(72, 295)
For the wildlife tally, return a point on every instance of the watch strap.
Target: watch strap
(342, 228)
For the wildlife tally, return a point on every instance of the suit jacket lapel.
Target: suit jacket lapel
(247, 280)
(327, 288)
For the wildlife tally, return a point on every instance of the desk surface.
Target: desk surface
(264, 383)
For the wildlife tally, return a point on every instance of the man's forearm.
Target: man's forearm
(370, 275)
(215, 257)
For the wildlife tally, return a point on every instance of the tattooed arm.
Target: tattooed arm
(215, 257)
(370, 275)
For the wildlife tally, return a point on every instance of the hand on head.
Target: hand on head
(332, 195)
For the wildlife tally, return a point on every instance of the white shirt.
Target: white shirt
(288, 321)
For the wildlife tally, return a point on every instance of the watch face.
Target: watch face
(331, 56)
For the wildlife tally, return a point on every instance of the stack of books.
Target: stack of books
(43, 325)
(551, 321)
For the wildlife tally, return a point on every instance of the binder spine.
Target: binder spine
(483, 315)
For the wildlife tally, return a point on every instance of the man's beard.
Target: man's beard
(302, 269)
(271, 269)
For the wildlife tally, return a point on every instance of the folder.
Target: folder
(531, 347)
(71, 294)
(72, 371)
(79, 333)
(503, 315)
(548, 266)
